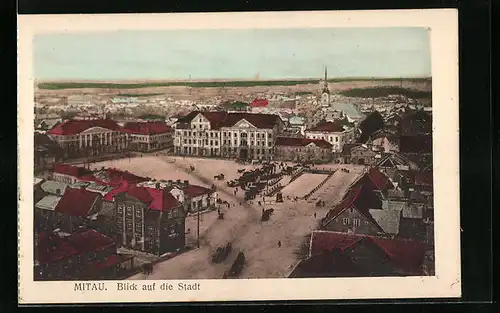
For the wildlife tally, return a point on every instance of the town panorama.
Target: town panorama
(212, 180)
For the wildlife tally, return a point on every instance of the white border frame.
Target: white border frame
(443, 25)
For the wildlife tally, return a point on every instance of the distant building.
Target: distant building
(364, 155)
(332, 132)
(47, 152)
(227, 135)
(89, 137)
(83, 255)
(44, 122)
(149, 136)
(303, 149)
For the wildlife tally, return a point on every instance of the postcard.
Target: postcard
(238, 156)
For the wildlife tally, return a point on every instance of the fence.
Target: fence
(319, 186)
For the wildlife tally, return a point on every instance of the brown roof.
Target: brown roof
(302, 142)
(224, 119)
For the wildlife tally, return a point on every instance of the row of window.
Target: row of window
(347, 221)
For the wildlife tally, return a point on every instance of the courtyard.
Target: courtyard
(289, 224)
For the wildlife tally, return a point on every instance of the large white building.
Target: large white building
(89, 137)
(333, 132)
(228, 135)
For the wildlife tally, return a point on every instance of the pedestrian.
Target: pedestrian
(279, 244)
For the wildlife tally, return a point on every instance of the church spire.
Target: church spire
(325, 82)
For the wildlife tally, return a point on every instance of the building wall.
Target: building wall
(345, 223)
(293, 153)
(93, 142)
(154, 142)
(362, 156)
(145, 234)
(199, 139)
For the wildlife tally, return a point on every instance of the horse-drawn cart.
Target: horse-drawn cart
(237, 266)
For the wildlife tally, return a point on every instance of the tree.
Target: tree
(370, 125)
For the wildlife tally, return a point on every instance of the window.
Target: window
(345, 221)
(336, 139)
(216, 142)
(211, 142)
(235, 142)
(356, 222)
(269, 144)
(185, 141)
(138, 213)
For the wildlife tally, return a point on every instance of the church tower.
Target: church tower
(325, 94)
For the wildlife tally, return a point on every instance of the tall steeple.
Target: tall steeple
(325, 82)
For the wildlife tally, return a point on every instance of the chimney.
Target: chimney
(186, 183)
(178, 181)
(170, 182)
(158, 186)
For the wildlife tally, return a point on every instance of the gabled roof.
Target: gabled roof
(156, 199)
(77, 202)
(406, 255)
(302, 142)
(327, 127)
(51, 247)
(224, 119)
(74, 127)
(195, 191)
(147, 128)
(357, 198)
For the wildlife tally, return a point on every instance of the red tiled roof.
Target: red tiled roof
(194, 190)
(113, 177)
(157, 199)
(76, 202)
(302, 142)
(162, 200)
(223, 119)
(51, 248)
(259, 103)
(327, 127)
(71, 170)
(379, 179)
(358, 198)
(146, 128)
(73, 127)
(89, 241)
(405, 254)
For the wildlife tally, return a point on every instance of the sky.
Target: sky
(234, 54)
